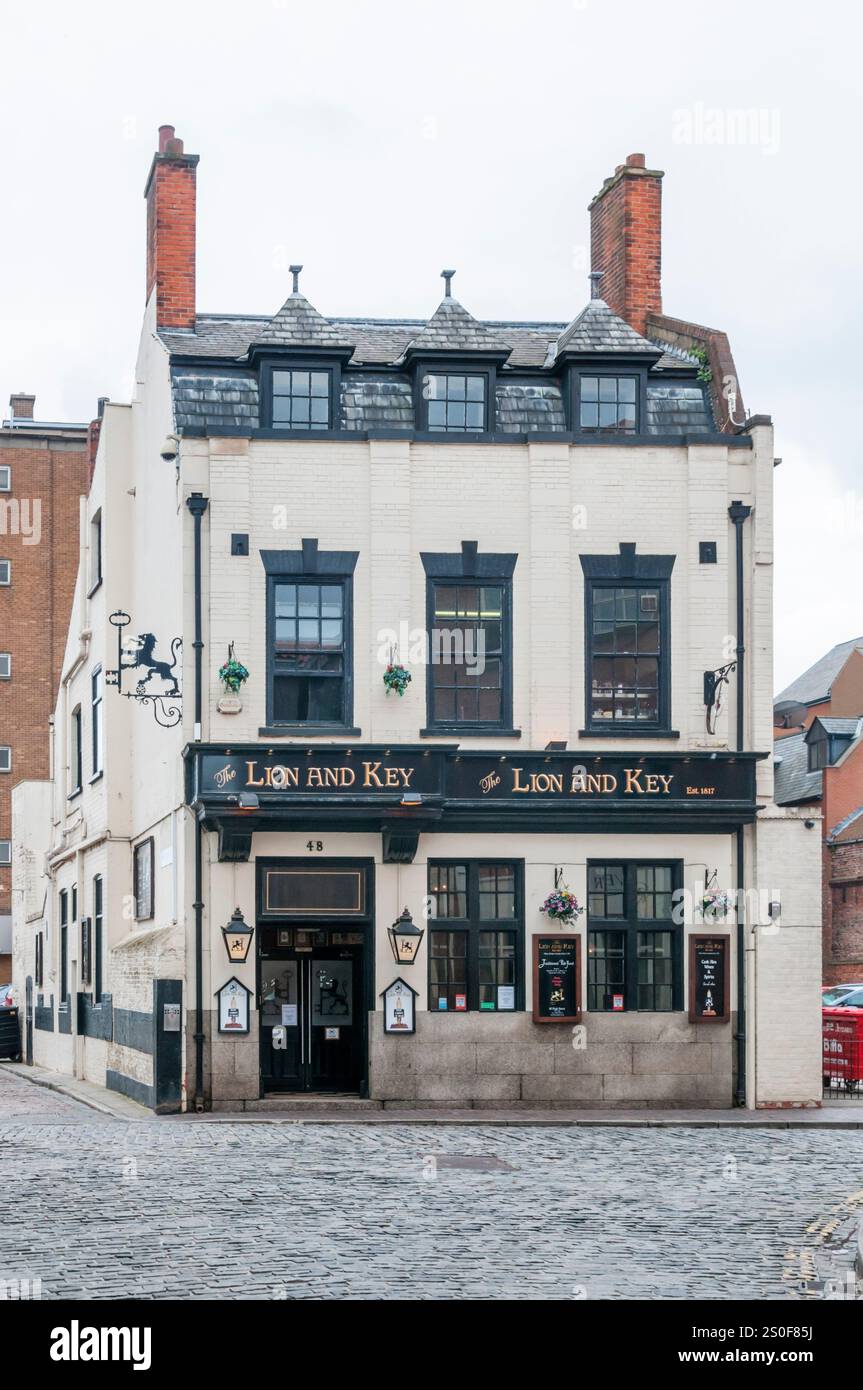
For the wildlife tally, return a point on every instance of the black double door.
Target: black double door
(311, 1019)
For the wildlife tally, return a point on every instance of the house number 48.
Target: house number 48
(315, 846)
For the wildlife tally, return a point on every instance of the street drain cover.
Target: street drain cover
(476, 1163)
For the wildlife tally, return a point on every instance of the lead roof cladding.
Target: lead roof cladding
(215, 382)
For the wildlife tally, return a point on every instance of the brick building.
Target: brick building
(316, 884)
(44, 474)
(818, 758)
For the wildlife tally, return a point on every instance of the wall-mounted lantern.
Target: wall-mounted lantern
(405, 939)
(238, 937)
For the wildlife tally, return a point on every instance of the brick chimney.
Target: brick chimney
(21, 406)
(626, 241)
(170, 195)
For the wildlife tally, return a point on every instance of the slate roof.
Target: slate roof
(597, 329)
(815, 683)
(211, 398)
(835, 725)
(385, 341)
(452, 329)
(792, 780)
(298, 324)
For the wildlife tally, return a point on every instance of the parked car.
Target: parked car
(833, 995)
(7, 997)
(854, 1000)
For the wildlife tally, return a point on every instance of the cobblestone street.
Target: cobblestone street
(98, 1207)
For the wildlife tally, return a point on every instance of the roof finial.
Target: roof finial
(295, 271)
(446, 276)
(594, 277)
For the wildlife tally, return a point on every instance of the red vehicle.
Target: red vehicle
(842, 1038)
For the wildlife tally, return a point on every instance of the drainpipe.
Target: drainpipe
(738, 513)
(197, 505)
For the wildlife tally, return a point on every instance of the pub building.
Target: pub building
(386, 633)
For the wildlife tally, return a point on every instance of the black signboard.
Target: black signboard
(709, 974)
(471, 776)
(556, 979)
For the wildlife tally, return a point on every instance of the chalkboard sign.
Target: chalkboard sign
(556, 979)
(709, 995)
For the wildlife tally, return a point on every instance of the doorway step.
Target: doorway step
(307, 1105)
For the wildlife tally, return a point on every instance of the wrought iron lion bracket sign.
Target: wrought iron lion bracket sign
(167, 703)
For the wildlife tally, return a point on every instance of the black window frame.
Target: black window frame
(311, 566)
(97, 714)
(472, 924)
(607, 369)
(64, 947)
(628, 570)
(631, 925)
(76, 751)
(300, 364)
(465, 569)
(98, 928)
(454, 369)
(95, 551)
(144, 851)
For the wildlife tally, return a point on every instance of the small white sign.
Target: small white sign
(506, 996)
(289, 1015)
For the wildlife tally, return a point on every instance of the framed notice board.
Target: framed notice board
(709, 978)
(557, 979)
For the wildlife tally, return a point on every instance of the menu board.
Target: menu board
(709, 994)
(556, 979)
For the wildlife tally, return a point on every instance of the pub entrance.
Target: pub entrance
(311, 1014)
(314, 957)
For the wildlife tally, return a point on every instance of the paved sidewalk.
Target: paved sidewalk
(836, 1116)
(95, 1097)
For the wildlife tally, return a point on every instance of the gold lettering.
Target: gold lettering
(313, 777)
(609, 782)
(372, 776)
(632, 782)
(331, 776)
(391, 777)
(651, 782)
(406, 775)
(251, 780)
(666, 778)
(348, 776)
(516, 781)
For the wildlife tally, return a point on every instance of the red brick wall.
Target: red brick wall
(843, 908)
(170, 195)
(843, 913)
(34, 610)
(626, 241)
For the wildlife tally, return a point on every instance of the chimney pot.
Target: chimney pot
(635, 161)
(166, 133)
(21, 405)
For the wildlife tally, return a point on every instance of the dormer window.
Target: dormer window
(608, 404)
(456, 402)
(301, 398)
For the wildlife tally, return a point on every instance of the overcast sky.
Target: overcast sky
(378, 142)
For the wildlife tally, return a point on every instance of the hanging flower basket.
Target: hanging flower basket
(715, 904)
(563, 906)
(233, 674)
(397, 678)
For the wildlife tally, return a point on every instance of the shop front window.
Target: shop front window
(476, 937)
(634, 945)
